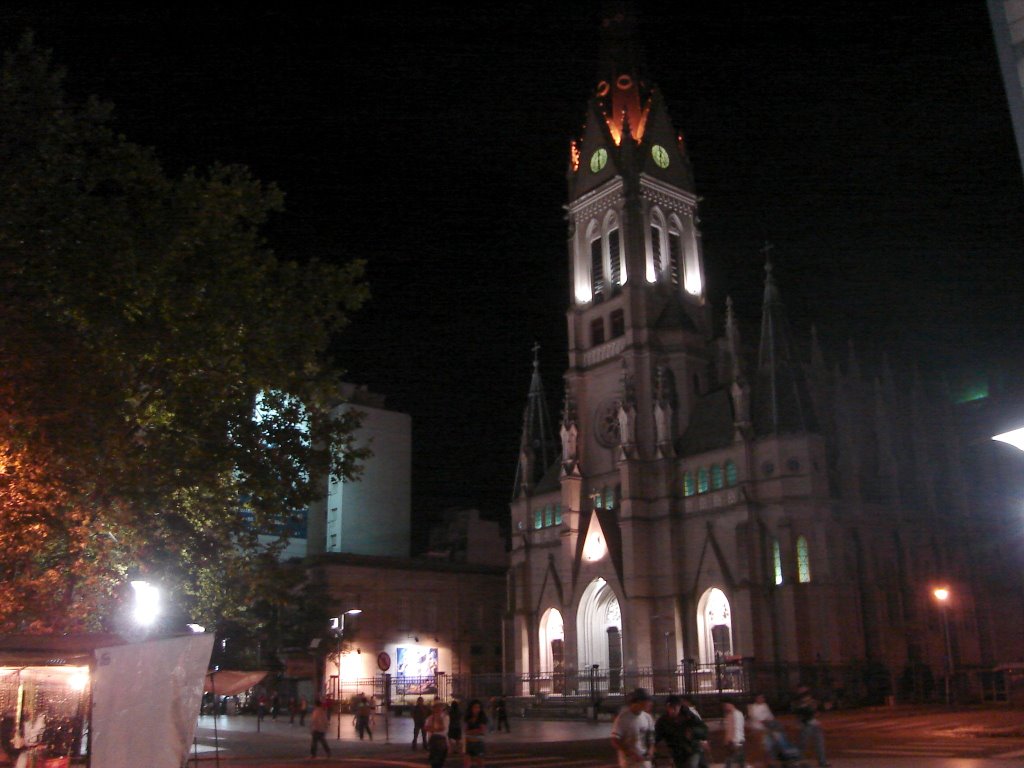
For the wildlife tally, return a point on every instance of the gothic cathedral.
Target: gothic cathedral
(708, 503)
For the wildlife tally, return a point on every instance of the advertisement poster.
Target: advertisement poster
(417, 670)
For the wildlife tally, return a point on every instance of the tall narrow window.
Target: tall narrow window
(732, 474)
(614, 259)
(675, 255)
(656, 251)
(777, 561)
(803, 561)
(618, 323)
(702, 480)
(609, 498)
(549, 516)
(538, 518)
(716, 477)
(558, 514)
(598, 500)
(596, 269)
(688, 486)
(597, 331)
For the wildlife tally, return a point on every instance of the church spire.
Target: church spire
(536, 447)
(781, 404)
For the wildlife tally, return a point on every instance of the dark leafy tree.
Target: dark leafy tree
(164, 377)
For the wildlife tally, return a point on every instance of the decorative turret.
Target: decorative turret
(781, 403)
(536, 446)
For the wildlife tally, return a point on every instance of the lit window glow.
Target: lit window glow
(1014, 437)
(803, 561)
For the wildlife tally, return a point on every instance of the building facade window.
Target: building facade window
(656, 253)
(618, 323)
(538, 518)
(803, 561)
(717, 481)
(702, 480)
(689, 488)
(549, 516)
(777, 561)
(614, 259)
(732, 473)
(558, 514)
(596, 269)
(597, 331)
(609, 498)
(675, 255)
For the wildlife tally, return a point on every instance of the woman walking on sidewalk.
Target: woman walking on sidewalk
(318, 729)
(436, 728)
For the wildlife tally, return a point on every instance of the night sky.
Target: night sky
(872, 146)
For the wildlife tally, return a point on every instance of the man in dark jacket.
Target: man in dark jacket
(682, 732)
(806, 708)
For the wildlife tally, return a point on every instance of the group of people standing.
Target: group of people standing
(443, 729)
(682, 731)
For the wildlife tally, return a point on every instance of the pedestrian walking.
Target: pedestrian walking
(455, 726)
(734, 734)
(364, 717)
(705, 745)
(436, 728)
(681, 732)
(475, 727)
(807, 709)
(760, 718)
(501, 714)
(303, 706)
(318, 730)
(419, 717)
(633, 732)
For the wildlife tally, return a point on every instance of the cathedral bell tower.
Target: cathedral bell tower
(638, 318)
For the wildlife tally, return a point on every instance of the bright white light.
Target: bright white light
(354, 611)
(941, 594)
(1014, 437)
(78, 680)
(147, 603)
(197, 628)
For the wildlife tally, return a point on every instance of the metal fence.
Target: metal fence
(594, 689)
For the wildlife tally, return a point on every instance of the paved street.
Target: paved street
(930, 737)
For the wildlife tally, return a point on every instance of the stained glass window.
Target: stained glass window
(558, 514)
(777, 561)
(549, 515)
(538, 518)
(803, 561)
(688, 486)
(702, 480)
(716, 476)
(732, 474)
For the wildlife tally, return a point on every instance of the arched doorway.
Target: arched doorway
(599, 631)
(714, 625)
(552, 649)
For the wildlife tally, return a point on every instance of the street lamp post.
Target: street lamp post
(338, 625)
(942, 595)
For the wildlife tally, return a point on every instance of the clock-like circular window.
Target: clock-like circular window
(606, 423)
(598, 160)
(660, 155)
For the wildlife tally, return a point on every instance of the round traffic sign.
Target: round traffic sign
(383, 661)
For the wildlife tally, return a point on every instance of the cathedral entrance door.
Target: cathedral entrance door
(599, 632)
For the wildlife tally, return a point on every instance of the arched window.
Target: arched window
(732, 474)
(609, 498)
(598, 497)
(549, 515)
(777, 561)
(538, 518)
(656, 254)
(803, 561)
(688, 487)
(716, 477)
(702, 480)
(596, 267)
(675, 252)
(558, 514)
(614, 258)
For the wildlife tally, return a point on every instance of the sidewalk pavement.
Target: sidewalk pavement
(238, 737)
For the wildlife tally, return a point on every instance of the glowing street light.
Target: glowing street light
(1014, 437)
(147, 603)
(338, 625)
(942, 594)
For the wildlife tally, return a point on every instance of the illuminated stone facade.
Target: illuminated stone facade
(711, 500)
